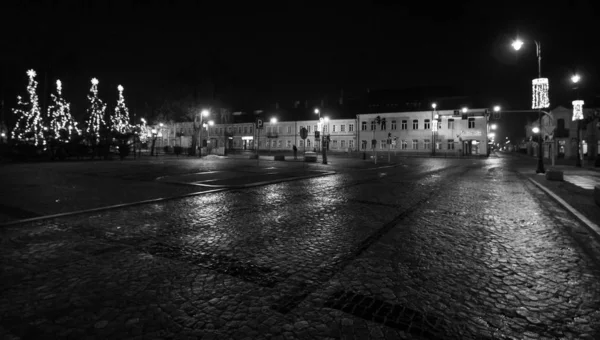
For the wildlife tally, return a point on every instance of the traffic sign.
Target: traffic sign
(303, 133)
(259, 123)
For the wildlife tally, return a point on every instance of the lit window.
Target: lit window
(427, 144)
(450, 144)
(427, 125)
(333, 128)
(351, 127)
(415, 144)
(393, 125)
(404, 124)
(383, 144)
(404, 144)
(450, 123)
(415, 124)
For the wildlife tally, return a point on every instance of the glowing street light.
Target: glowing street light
(517, 44)
(536, 130)
(464, 110)
(273, 120)
(497, 108)
(493, 126)
(575, 78)
(433, 106)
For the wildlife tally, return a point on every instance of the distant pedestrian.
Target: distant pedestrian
(295, 152)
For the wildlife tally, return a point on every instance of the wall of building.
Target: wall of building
(409, 131)
(412, 132)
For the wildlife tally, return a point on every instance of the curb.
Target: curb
(593, 227)
(257, 184)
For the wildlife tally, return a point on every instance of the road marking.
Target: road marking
(589, 224)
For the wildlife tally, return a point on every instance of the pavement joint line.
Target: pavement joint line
(110, 207)
(256, 184)
(162, 199)
(589, 224)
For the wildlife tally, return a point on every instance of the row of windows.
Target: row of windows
(335, 144)
(414, 144)
(279, 129)
(334, 128)
(415, 124)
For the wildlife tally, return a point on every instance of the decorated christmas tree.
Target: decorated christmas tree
(62, 125)
(95, 121)
(120, 118)
(29, 126)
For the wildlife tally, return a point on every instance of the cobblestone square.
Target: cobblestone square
(422, 249)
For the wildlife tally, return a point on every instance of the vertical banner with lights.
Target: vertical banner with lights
(540, 98)
(577, 110)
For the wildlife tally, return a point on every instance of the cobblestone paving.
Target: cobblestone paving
(444, 249)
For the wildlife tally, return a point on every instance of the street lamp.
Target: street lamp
(318, 112)
(578, 116)
(540, 94)
(207, 127)
(203, 113)
(493, 126)
(324, 143)
(433, 127)
(464, 110)
(273, 121)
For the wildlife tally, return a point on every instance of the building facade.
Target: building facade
(450, 132)
(560, 134)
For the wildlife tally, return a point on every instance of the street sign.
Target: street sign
(303, 133)
(259, 124)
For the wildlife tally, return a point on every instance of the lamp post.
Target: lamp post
(204, 113)
(578, 116)
(207, 127)
(273, 122)
(433, 127)
(318, 112)
(154, 151)
(324, 143)
(517, 44)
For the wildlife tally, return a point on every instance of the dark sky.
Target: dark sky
(296, 50)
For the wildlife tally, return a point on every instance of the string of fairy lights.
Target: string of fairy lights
(120, 118)
(58, 124)
(62, 125)
(29, 126)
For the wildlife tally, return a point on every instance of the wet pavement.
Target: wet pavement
(434, 248)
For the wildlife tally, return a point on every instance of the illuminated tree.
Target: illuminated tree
(95, 121)
(29, 126)
(62, 125)
(120, 118)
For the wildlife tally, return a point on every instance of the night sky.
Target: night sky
(254, 56)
